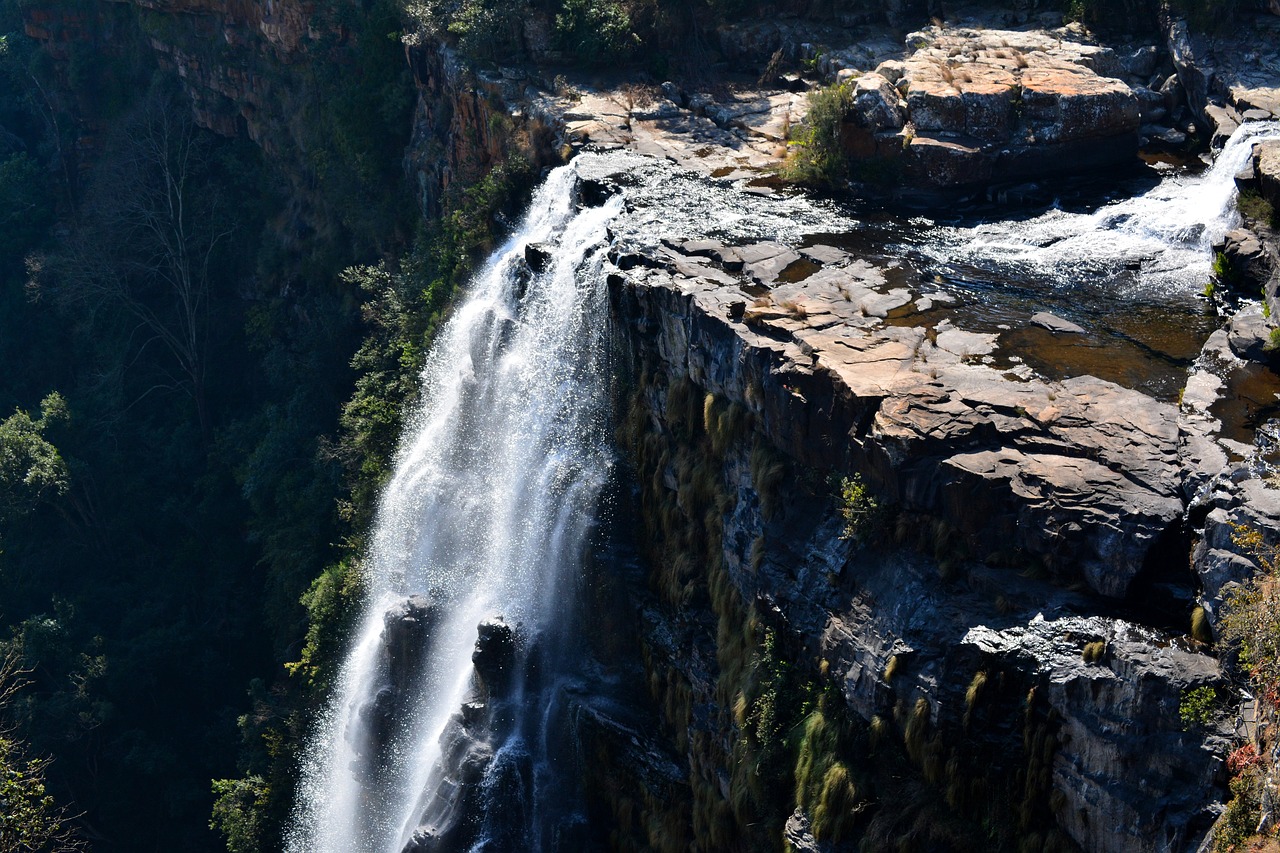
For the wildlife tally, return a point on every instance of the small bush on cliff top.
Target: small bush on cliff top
(817, 158)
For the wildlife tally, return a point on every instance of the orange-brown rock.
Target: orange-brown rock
(992, 104)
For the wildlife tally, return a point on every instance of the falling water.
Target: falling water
(486, 518)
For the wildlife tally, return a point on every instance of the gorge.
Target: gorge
(689, 509)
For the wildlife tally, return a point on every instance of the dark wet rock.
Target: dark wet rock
(1056, 324)
(1159, 773)
(1163, 138)
(1249, 262)
(538, 256)
(593, 192)
(494, 655)
(406, 630)
(1191, 55)
(1151, 105)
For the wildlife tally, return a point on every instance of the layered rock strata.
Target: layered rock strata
(1018, 486)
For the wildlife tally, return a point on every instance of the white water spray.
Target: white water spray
(488, 514)
(1165, 233)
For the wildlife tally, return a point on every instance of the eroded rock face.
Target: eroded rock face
(1081, 477)
(1080, 473)
(1001, 104)
(1266, 165)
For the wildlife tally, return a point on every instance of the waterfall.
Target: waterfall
(1163, 235)
(478, 542)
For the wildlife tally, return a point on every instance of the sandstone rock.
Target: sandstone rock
(1054, 323)
(984, 105)
(875, 104)
(1266, 165)
(1224, 121)
(1084, 471)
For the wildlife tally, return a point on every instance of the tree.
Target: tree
(31, 469)
(31, 821)
(151, 226)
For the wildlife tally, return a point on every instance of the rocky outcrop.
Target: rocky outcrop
(1081, 473)
(1228, 75)
(1012, 489)
(1266, 168)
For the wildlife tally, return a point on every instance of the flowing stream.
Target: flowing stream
(445, 727)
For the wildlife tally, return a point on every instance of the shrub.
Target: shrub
(1251, 622)
(1240, 818)
(818, 159)
(596, 31)
(859, 509)
(1200, 630)
(1196, 707)
(1093, 652)
(1254, 207)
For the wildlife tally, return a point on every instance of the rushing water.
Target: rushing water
(490, 507)
(1154, 244)
(499, 476)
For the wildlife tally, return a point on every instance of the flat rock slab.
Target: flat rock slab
(1056, 324)
(987, 104)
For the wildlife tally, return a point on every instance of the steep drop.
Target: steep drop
(483, 524)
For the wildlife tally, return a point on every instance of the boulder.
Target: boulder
(1248, 262)
(538, 256)
(1055, 324)
(997, 105)
(1266, 166)
(494, 655)
(406, 630)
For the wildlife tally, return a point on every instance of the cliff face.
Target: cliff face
(942, 628)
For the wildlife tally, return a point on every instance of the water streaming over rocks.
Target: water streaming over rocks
(475, 554)
(1154, 244)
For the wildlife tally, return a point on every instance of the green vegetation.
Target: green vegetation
(1197, 707)
(817, 158)
(1253, 207)
(862, 514)
(1250, 625)
(1223, 271)
(162, 515)
(1240, 819)
(237, 812)
(596, 31)
(1094, 652)
(31, 820)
